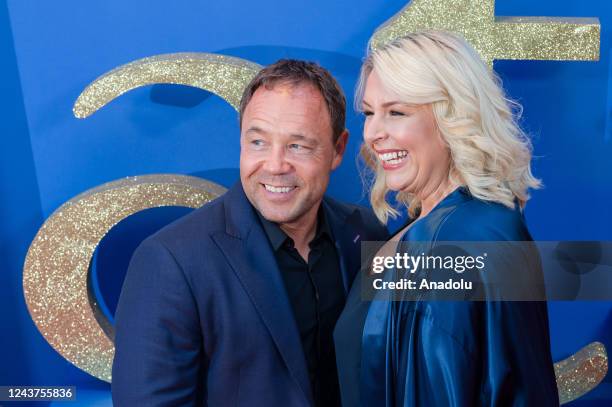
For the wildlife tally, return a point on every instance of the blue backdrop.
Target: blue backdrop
(51, 50)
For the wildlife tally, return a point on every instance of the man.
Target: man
(234, 304)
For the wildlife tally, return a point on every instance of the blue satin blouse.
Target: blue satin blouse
(448, 353)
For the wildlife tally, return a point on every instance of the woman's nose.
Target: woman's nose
(374, 131)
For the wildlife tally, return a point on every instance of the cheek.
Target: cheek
(248, 164)
(313, 173)
(434, 159)
(437, 149)
(405, 135)
(423, 142)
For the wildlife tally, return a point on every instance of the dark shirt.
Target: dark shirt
(317, 296)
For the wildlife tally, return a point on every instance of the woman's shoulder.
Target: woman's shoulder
(476, 219)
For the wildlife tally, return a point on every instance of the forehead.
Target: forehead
(375, 90)
(284, 104)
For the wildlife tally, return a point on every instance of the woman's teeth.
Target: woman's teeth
(278, 190)
(394, 157)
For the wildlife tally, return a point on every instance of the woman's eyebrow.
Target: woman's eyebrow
(390, 103)
(395, 102)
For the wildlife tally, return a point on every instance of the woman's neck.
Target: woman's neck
(435, 197)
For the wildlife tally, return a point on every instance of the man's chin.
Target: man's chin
(277, 217)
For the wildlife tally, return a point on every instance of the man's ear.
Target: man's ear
(340, 148)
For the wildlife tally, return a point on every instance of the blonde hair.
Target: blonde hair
(490, 154)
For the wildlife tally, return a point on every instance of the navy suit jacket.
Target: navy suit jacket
(204, 318)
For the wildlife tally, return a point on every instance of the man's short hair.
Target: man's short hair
(296, 72)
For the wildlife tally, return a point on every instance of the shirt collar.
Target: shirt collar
(277, 236)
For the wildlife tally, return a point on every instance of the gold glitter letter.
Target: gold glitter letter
(581, 372)
(55, 275)
(542, 38)
(55, 278)
(222, 75)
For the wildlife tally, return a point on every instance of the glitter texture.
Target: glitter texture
(581, 372)
(55, 276)
(523, 38)
(222, 75)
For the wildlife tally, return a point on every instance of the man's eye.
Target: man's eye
(257, 143)
(297, 147)
(396, 113)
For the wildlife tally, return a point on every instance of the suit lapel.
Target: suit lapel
(347, 240)
(250, 256)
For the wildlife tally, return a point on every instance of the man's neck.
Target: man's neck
(302, 231)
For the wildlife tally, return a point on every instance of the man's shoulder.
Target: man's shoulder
(196, 225)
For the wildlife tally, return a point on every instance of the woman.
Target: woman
(439, 132)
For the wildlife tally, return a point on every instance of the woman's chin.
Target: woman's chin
(399, 186)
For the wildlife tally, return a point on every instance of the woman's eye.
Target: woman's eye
(367, 113)
(396, 113)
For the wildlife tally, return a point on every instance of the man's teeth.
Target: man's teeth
(394, 157)
(282, 190)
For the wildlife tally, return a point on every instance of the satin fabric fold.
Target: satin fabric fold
(449, 353)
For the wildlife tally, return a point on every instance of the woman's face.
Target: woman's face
(405, 140)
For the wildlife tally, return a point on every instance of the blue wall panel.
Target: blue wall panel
(51, 50)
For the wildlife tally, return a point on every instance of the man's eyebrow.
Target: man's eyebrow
(255, 129)
(292, 136)
(302, 137)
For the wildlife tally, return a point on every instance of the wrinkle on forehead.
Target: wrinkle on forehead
(278, 108)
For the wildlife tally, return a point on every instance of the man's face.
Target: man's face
(287, 151)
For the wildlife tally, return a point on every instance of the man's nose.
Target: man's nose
(276, 161)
